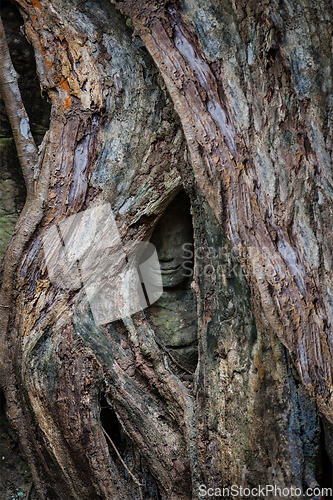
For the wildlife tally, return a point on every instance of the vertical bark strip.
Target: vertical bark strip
(19, 120)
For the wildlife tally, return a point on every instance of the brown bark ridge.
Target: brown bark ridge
(122, 124)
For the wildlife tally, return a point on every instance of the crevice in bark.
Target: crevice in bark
(131, 466)
(326, 475)
(111, 423)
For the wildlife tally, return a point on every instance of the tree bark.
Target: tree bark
(226, 101)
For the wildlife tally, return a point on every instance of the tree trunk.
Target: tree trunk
(230, 102)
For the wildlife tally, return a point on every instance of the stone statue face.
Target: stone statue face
(173, 317)
(173, 230)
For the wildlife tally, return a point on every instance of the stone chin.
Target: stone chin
(174, 278)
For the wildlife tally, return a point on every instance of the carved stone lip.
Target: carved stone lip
(170, 270)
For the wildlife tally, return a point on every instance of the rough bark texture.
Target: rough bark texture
(230, 101)
(255, 110)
